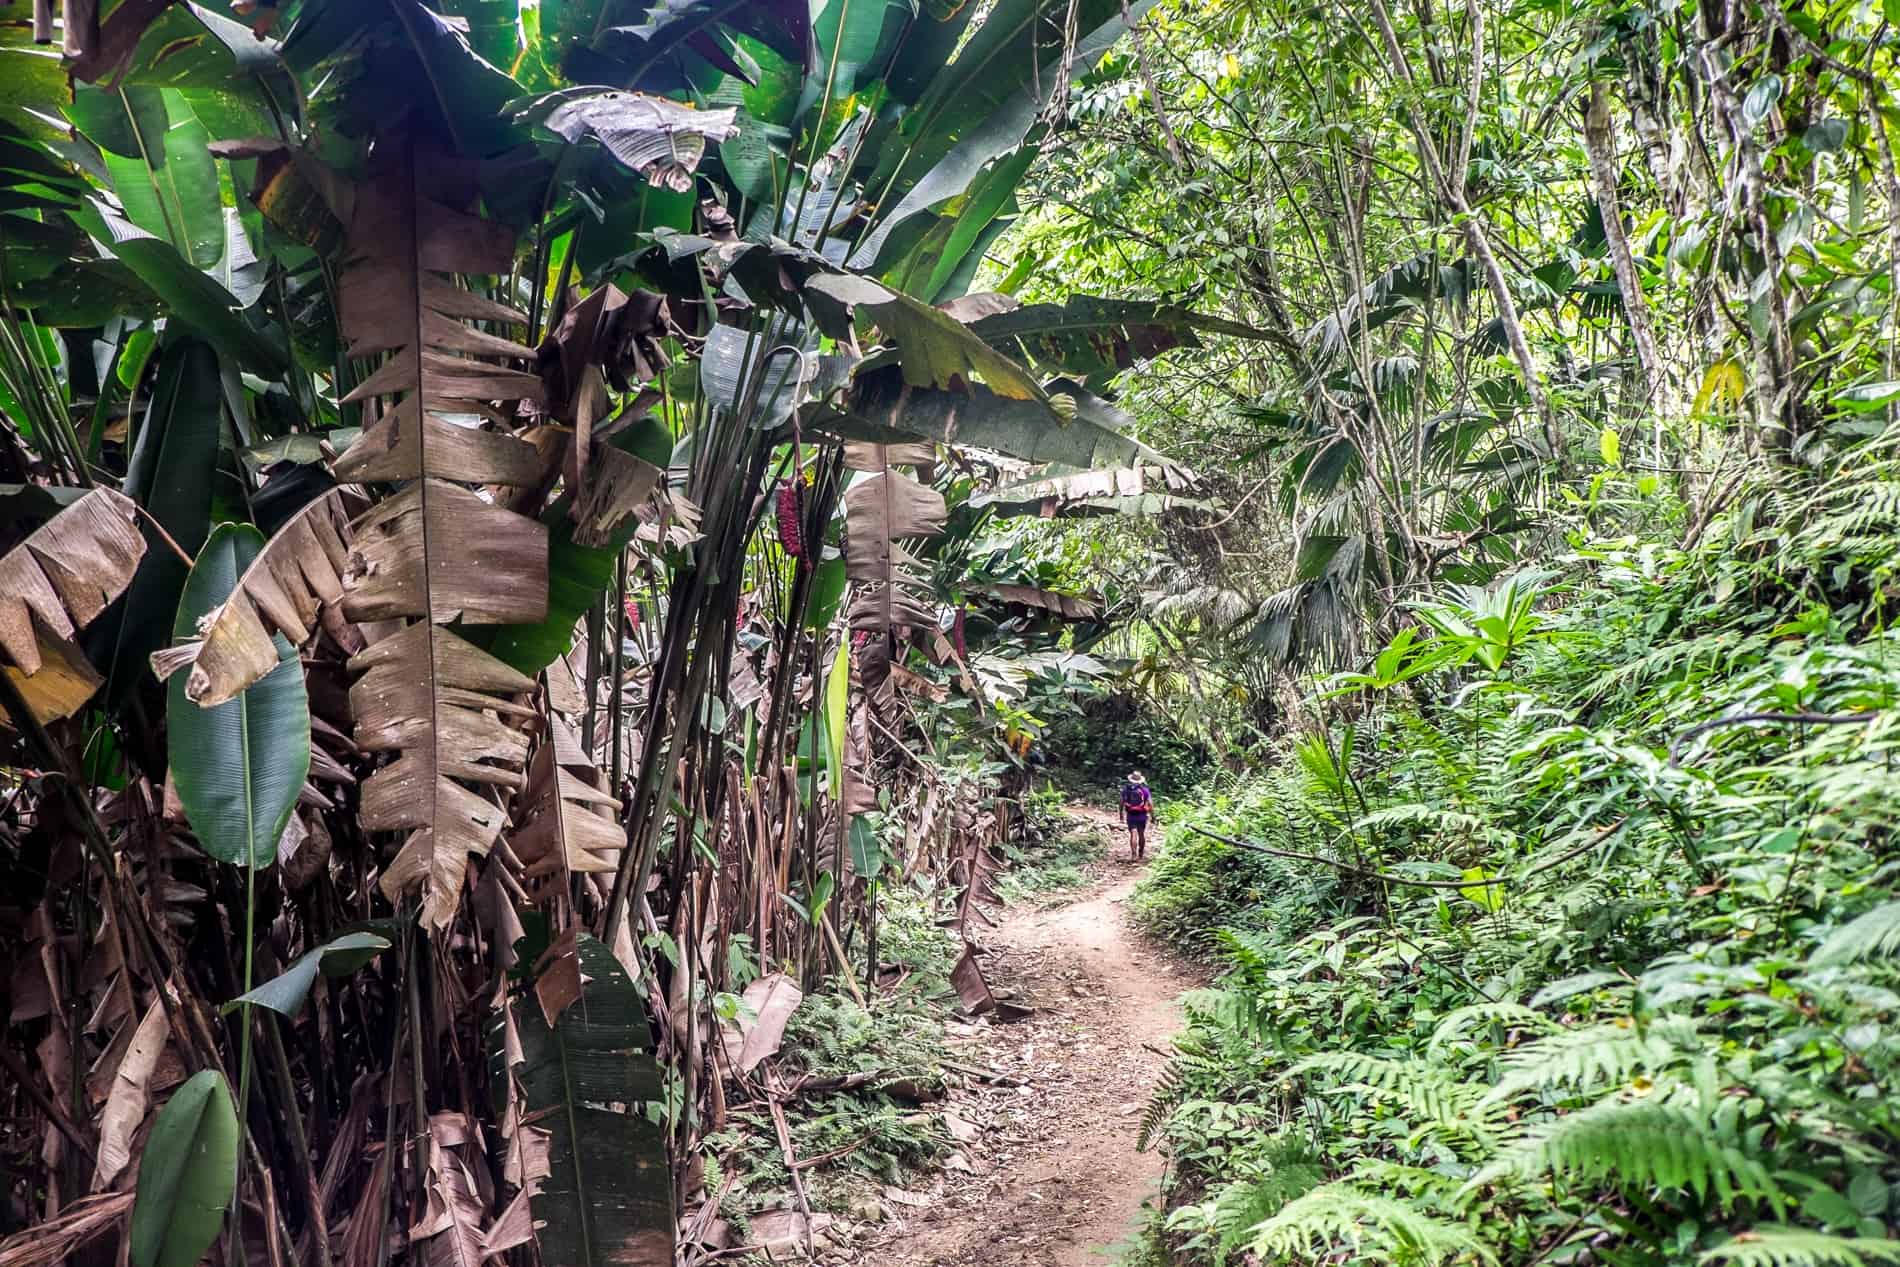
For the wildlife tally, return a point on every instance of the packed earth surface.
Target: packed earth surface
(1049, 1175)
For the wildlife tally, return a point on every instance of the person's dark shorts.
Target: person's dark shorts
(1138, 820)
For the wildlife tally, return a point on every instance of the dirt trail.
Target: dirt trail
(1049, 1175)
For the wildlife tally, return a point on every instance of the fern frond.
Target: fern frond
(1340, 1213)
(1241, 1206)
(1595, 1056)
(1375, 1172)
(1167, 1097)
(1798, 1247)
(1503, 1012)
(1637, 1144)
(1420, 1090)
(1876, 932)
(1438, 818)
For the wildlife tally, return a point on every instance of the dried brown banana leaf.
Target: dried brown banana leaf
(437, 551)
(283, 591)
(564, 823)
(438, 701)
(52, 585)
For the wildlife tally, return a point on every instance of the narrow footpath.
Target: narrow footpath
(1048, 1175)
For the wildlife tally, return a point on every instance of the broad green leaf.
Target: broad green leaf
(130, 122)
(186, 1175)
(827, 589)
(933, 348)
(1761, 99)
(1610, 446)
(173, 455)
(881, 409)
(837, 707)
(1868, 397)
(608, 1198)
(173, 194)
(1826, 136)
(1488, 897)
(338, 957)
(193, 298)
(31, 76)
(1095, 339)
(240, 765)
(663, 45)
(992, 198)
(867, 855)
(982, 104)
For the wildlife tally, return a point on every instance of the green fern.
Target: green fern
(1797, 1247)
(1166, 1098)
(1307, 1227)
(1877, 932)
(1596, 1056)
(1241, 1206)
(1504, 1012)
(1420, 1091)
(1637, 1144)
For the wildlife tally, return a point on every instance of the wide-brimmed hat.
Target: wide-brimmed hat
(1134, 776)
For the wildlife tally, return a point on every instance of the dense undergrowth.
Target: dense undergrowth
(868, 1081)
(1600, 965)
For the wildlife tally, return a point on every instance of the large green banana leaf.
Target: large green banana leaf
(169, 476)
(982, 105)
(170, 188)
(883, 410)
(240, 765)
(191, 296)
(1094, 339)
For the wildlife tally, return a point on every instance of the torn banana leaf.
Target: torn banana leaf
(436, 551)
(881, 511)
(283, 591)
(52, 585)
(607, 1198)
(565, 824)
(440, 703)
(437, 405)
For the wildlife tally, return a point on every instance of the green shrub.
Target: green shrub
(1583, 977)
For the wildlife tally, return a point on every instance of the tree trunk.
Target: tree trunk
(1599, 141)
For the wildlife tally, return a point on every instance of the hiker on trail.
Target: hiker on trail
(1137, 804)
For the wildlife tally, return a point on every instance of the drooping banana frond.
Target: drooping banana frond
(564, 822)
(438, 702)
(880, 512)
(298, 575)
(436, 551)
(52, 585)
